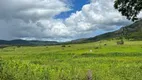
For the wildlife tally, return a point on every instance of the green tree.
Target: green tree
(129, 8)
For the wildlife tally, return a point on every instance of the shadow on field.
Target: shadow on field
(112, 55)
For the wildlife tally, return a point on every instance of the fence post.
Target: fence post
(89, 75)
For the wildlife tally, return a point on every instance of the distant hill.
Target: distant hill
(27, 43)
(132, 32)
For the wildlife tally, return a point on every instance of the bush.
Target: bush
(63, 45)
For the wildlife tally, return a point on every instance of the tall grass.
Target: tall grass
(110, 62)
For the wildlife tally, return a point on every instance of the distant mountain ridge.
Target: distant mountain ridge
(133, 32)
(27, 42)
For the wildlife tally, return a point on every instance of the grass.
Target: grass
(73, 62)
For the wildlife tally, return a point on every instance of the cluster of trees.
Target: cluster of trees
(129, 8)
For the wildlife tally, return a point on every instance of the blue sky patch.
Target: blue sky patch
(77, 6)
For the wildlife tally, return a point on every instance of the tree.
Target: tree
(129, 8)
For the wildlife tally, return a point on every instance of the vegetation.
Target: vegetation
(116, 56)
(107, 62)
(131, 32)
(129, 8)
(20, 42)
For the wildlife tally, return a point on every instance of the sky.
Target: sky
(58, 20)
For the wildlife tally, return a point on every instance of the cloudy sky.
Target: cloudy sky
(59, 20)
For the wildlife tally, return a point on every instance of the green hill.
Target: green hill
(131, 32)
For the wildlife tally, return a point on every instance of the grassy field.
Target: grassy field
(73, 62)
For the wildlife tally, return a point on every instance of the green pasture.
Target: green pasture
(103, 60)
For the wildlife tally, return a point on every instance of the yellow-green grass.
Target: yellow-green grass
(104, 60)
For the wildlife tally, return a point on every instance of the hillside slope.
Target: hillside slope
(27, 43)
(133, 32)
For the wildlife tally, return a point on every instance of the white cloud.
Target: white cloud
(99, 14)
(31, 10)
(33, 19)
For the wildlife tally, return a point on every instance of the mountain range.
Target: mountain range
(130, 32)
(27, 42)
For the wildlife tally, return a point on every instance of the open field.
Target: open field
(73, 62)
